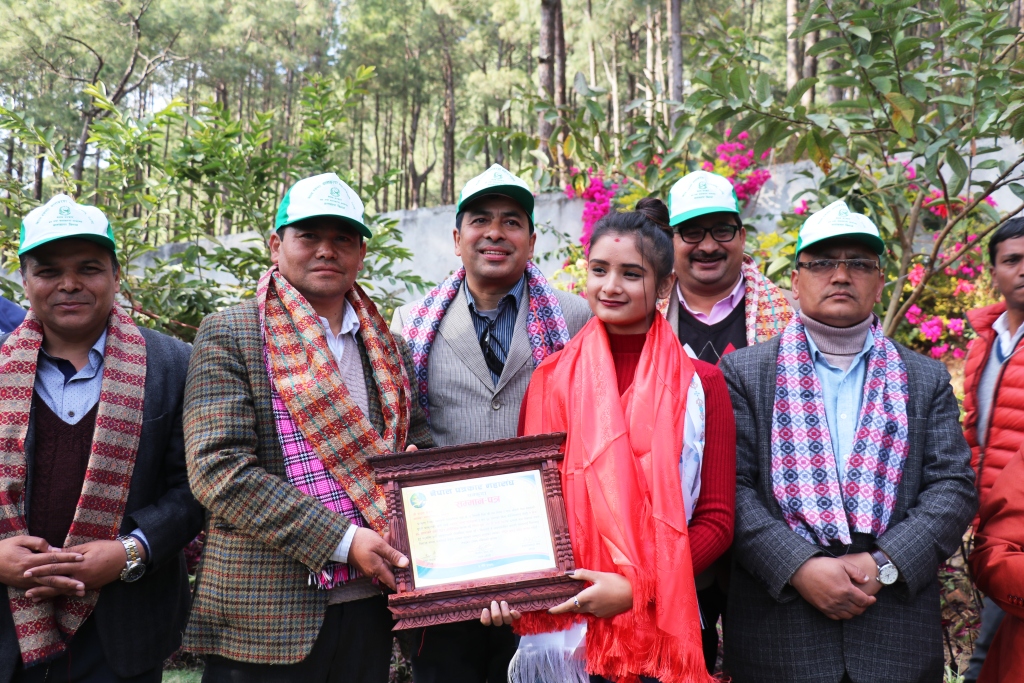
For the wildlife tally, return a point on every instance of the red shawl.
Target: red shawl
(624, 499)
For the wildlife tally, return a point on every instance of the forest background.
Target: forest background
(185, 121)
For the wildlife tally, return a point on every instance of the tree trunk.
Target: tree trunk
(591, 52)
(546, 65)
(675, 29)
(448, 162)
(834, 92)
(792, 45)
(37, 186)
(560, 99)
(659, 67)
(810, 67)
(649, 67)
(81, 149)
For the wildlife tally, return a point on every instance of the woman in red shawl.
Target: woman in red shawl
(998, 567)
(621, 390)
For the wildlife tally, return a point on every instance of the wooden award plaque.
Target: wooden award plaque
(479, 522)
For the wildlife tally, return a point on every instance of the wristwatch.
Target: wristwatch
(887, 572)
(134, 568)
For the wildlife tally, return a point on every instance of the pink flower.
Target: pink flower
(958, 353)
(963, 287)
(801, 208)
(939, 351)
(956, 326)
(914, 315)
(915, 276)
(988, 200)
(932, 329)
(707, 166)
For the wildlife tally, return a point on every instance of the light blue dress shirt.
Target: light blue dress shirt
(71, 398)
(842, 392)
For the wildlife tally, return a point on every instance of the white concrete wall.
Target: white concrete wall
(427, 232)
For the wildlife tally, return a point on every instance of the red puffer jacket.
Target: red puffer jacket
(1006, 416)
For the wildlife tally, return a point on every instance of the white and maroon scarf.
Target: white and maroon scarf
(816, 502)
(44, 628)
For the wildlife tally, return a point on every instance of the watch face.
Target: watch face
(133, 572)
(888, 574)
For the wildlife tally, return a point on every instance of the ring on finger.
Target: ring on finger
(576, 602)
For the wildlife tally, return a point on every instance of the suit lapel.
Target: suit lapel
(519, 351)
(457, 329)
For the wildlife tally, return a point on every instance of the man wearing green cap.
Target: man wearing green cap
(287, 396)
(475, 341)
(853, 481)
(95, 508)
(722, 302)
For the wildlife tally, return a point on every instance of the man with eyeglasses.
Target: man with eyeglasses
(722, 301)
(853, 481)
(475, 340)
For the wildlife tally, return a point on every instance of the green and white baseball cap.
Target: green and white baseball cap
(836, 220)
(322, 195)
(61, 218)
(497, 180)
(698, 193)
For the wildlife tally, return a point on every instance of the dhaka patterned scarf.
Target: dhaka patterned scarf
(308, 381)
(818, 502)
(43, 629)
(544, 323)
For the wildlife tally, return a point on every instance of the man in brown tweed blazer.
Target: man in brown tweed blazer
(272, 542)
(477, 371)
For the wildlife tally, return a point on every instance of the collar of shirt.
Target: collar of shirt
(721, 309)
(514, 298)
(91, 369)
(349, 325)
(1007, 342)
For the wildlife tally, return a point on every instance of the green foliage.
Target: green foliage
(223, 176)
(933, 88)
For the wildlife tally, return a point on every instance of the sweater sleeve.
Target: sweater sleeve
(711, 526)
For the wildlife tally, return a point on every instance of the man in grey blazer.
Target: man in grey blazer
(853, 482)
(476, 339)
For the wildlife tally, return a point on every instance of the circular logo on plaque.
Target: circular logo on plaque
(418, 500)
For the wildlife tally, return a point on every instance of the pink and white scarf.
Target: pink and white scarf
(816, 503)
(545, 322)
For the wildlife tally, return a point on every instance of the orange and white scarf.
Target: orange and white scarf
(305, 375)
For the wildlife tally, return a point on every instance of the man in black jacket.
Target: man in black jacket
(95, 507)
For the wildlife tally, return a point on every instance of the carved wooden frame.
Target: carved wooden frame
(463, 601)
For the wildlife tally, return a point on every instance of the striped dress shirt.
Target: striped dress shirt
(502, 320)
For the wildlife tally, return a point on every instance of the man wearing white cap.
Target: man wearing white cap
(287, 396)
(475, 341)
(853, 481)
(95, 507)
(722, 302)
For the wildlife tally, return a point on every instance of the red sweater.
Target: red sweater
(711, 526)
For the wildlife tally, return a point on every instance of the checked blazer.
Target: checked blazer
(464, 403)
(253, 602)
(771, 633)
